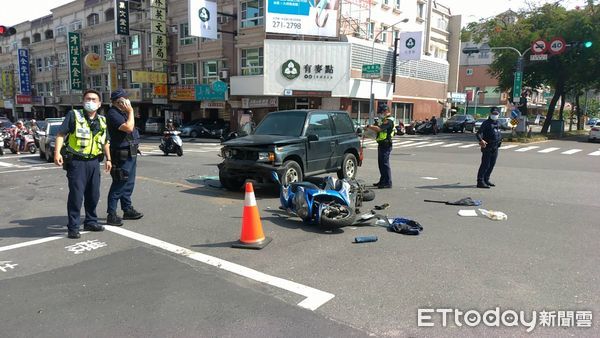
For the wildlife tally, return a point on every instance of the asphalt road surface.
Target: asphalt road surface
(173, 273)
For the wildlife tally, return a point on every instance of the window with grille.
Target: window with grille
(252, 12)
(252, 61)
(184, 35)
(189, 74)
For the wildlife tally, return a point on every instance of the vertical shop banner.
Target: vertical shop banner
(113, 80)
(122, 17)
(24, 77)
(202, 18)
(410, 45)
(301, 17)
(8, 87)
(75, 61)
(158, 32)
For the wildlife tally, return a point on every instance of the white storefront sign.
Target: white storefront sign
(260, 102)
(212, 104)
(302, 17)
(410, 45)
(202, 18)
(306, 66)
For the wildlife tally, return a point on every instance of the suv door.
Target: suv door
(319, 153)
(345, 134)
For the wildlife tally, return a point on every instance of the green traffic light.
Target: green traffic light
(587, 44)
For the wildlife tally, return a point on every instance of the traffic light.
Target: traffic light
(7, 31)
(587, 44)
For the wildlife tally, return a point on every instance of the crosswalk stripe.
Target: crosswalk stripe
(469, 145)
(571, 152)
(451, 145)
(430, 145)
(595, 153)
(509, 146)
(527, 148)
(4, 164)
(401, 143)
(548, 150)
(412, 144)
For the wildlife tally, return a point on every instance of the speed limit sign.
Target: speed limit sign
(539, 46)
(557, 45)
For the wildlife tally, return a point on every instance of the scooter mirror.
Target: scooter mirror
(275, 177)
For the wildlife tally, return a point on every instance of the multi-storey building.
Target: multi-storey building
(250, 54)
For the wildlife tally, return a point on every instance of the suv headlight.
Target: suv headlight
(266, 156)
(226, 153)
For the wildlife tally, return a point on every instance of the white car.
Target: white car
(594, 133)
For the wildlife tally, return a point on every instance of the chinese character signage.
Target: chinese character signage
(8, 83)
(139, 76)
(301, 17)
(122, 17)
(158, 32)
(24, 71)
(183, 93)
(75, 61)
(410, 45)
(213, 92)
(202, 18)
(113, 80)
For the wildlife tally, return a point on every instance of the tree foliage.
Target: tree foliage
(571, 72)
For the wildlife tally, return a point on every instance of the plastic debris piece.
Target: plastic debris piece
(467, 213)
(494, 214)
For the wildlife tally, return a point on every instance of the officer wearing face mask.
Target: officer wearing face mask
(83, 132)
(490, 139)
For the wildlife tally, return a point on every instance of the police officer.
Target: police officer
(385, 131)
(86, 144)
(490, 139)
(124, 143)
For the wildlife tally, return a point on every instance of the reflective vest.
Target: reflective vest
(383, 134)
(82, 143)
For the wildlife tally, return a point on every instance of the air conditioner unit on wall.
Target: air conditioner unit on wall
(224, 74)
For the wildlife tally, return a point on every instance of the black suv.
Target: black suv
(295, 144)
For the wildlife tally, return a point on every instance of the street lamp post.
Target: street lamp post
(477, 99)
(372, 96)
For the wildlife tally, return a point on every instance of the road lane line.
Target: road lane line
(34, 242)
(451, 145)
(29, 169)
(508, 146)
(314, 297)
(571, 152)
(595, 153)
(412, 144)
(526, 149)
(7, 165)
(548, 150)
(469, 145)
(431, 144)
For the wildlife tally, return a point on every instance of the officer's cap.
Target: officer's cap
(117, 94)
(494, 110)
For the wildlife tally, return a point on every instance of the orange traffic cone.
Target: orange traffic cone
(252, 236)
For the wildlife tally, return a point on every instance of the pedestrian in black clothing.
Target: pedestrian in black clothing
(490, 139)
(124, 141)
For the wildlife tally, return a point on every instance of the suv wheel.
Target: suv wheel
(349, 167)
(230, 183)
(291, 173)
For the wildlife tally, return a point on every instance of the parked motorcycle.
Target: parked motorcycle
(171, 143)
(5, 138)
(333, 206)
(27, 144)
(425, 128)
(400, 130)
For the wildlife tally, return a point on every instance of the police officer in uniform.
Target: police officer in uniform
(86, 144)
(124, 143)
(490, 139)
(385, 131)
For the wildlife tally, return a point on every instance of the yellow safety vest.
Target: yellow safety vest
(383, 135)
(82, 143)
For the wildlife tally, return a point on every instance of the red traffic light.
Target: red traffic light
(7, 31)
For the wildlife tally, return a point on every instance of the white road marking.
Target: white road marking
(451, 145)
(469, 145)
(429, 178)
(4, 164)
(508, 146)
(431, 144)
(401, 143)
(314, 297)
(548, 150)
(571, 152)
(34, 242)
(412, 144)
(595, 153)
(29, 169)
(527, 148)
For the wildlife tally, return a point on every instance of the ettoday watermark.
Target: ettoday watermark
(509, 318)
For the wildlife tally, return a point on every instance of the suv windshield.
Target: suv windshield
(289, 123)
(457, 118)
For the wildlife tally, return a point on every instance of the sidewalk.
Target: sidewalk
(156, 138)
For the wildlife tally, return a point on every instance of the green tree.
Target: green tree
(573, 71)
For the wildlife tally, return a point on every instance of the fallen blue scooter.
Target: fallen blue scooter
(329, 207)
